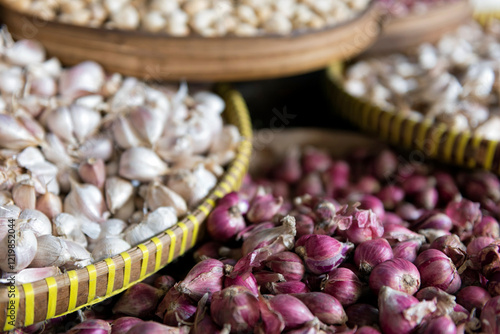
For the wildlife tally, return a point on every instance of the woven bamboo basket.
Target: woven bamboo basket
(161, 57)
(434, 140)
(399, 34)
(55, 296)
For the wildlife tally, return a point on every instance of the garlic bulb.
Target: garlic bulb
(161, 219)
(112, 227)
(35, 221)
(25, 246)
(79, 257)
(69, 227)
(140, 163)
(43, 173)
(159, 195)
(108, 247)
(51, 251)
(138, 233)
(10, 211)
(192, 186)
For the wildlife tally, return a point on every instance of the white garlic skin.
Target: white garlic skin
(159, 195)
(51, 251)
(24, 249)
(35, 221)
(117, 192)
(142, 164)
(86, 201)
(108, 247)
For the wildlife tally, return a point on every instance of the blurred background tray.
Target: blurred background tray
(160, 57)
(399, 34)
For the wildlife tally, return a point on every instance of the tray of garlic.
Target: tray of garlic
(439, 100)
(410, 23)
(200, 40)
(104, 179)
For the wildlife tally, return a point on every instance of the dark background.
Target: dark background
(304, 96)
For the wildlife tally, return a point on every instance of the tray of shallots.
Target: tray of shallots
(325, 238)
(199, 40)
(104, 179)
(440, 100)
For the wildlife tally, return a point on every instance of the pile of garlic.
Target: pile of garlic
(208, 18)
(456, 81)
(93, 163)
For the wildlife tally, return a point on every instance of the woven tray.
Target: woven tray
(434, 140)
(161, 57)
(75, 289)
(399, 34)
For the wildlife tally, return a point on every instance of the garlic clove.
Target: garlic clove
(112, 227)
(117, 192)
(69, 227)
(138, 233)
(126, 211)
(209, 102)
(108, 247)
(124, 134)
(82, 79)
(142, 164)
(93, 171)
(25, 52)
(192, 186)
(161, 219)
(55, 151)
(49, 204)
(25, 245)
(51, 251)
(85, 200)
(159, 195)
(149, 123)
(60, 123)
(85, 121)
(35, 221)
(79, 257)
(10, 211)
(6, 198)
(13, 135)
(24, 194)
(32, 126)
(97, 147)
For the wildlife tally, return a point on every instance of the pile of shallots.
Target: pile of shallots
(93, 163)
(455, 81)
(207, 18)
(370, 244)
